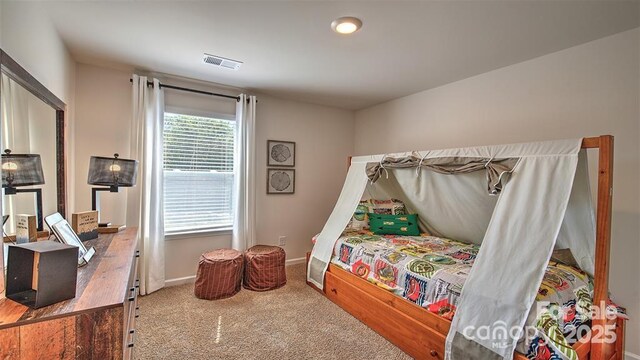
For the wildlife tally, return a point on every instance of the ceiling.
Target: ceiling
(289, 50)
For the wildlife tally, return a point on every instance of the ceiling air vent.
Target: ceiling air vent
(221, 62)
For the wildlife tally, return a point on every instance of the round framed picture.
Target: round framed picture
(281, 153)
(281, 181)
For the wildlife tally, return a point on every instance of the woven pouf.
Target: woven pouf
(219, 274)
(264, 268)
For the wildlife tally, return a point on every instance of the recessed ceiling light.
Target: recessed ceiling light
(346, 25)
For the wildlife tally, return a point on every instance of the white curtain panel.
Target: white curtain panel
(350, 196)
(505, 277)
(145, 201)
(244, 189)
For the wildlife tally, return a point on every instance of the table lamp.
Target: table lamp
(23, 170)
(111, 174)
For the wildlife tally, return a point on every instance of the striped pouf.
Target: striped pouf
(219, 274)
(264, 268)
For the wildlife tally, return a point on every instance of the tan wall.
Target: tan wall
(588, 90)
(323, 139)
(103, 117)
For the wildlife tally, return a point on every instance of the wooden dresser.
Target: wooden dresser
(97, 324)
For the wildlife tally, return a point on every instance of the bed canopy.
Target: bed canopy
(519, 201)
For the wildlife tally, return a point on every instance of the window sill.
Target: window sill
(178, 235)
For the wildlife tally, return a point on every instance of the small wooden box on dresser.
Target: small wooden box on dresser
(97, 324)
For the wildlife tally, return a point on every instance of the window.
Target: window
(198, 173)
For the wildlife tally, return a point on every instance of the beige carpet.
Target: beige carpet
(293, 322)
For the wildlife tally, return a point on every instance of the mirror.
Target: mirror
(28, 127)
(32, 122)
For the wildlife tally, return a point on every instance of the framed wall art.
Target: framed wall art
(281, 153)
(281, 181)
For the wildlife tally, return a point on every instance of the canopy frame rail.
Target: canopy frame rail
(596, 350)
(604, 144)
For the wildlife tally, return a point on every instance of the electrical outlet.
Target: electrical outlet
(282, 240)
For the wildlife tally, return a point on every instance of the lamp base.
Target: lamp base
(111, 229)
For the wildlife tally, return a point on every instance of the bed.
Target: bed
(384, 296)
(430, 272)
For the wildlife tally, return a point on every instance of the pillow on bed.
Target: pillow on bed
(360, 218)
(390, 207)
(383, 224)
(564, 256)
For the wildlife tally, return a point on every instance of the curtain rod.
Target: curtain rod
(150, 83)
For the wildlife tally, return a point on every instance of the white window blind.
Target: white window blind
(198, 173)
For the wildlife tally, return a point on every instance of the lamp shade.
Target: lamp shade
(112, 171)
(21, 169)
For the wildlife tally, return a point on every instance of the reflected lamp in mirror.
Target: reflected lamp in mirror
(111, 174)
(23, 170)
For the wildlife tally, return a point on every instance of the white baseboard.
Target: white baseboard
(295, 261)
(192, 278)
(631, 356)
(180, 281)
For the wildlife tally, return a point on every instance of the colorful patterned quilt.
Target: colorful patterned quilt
(431, 272)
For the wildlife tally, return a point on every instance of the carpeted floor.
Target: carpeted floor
(293, 322)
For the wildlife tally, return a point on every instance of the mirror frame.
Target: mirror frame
(21, 76)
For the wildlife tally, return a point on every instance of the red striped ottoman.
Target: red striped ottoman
(264, 268)
(219, 274)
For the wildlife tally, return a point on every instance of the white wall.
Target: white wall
(588, 90)
(323, 136)
(29, 37)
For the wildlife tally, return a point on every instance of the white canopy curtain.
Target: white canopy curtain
(546, 200)
(244, 189)
(145, 201)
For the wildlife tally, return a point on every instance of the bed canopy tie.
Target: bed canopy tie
(382, 167)
(497, 169)
(418, 172)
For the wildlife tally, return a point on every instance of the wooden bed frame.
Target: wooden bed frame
(422, 334)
